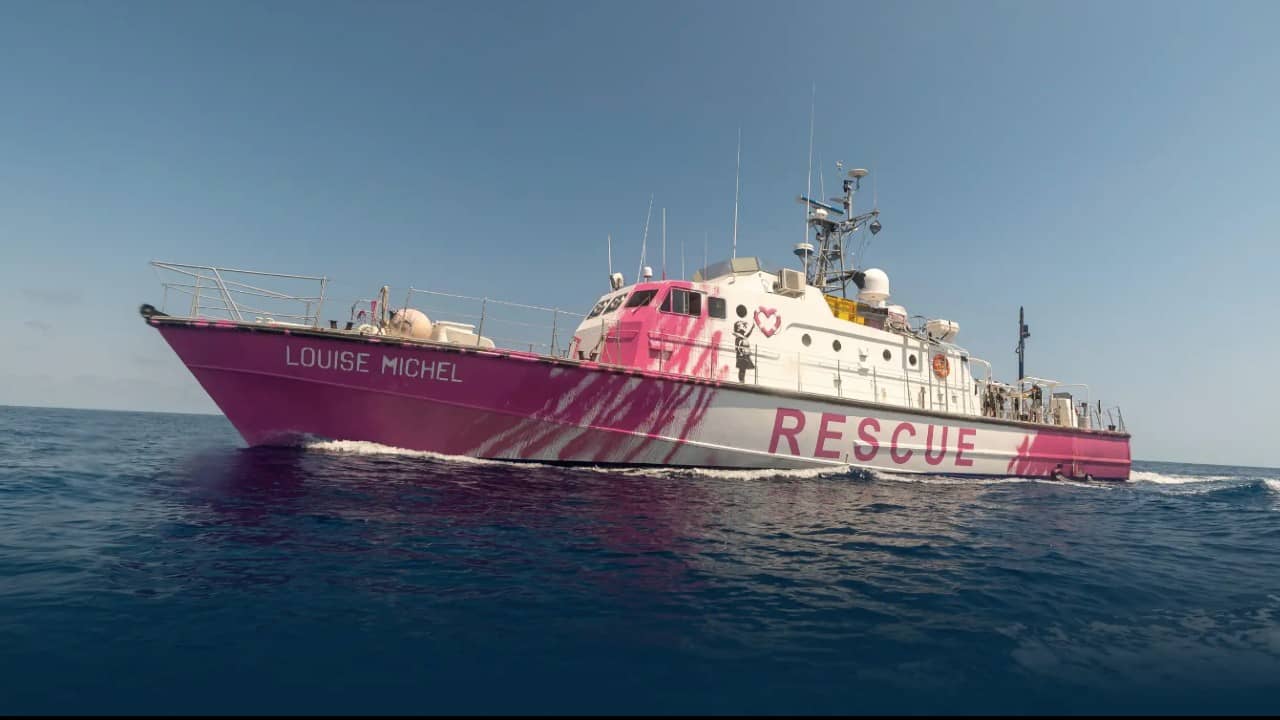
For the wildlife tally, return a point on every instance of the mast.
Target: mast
(1023, 333)
(832, 225)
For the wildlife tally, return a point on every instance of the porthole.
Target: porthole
(912, 359)
(806, 339)
(835, 345)
(888, 355)
(742, 311)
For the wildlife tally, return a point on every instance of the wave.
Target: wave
(731, 474)
(1163, 479)
(922, 479)
(723, 473)
(363, 447)
(366, 448)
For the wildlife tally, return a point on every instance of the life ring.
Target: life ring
(941, 367)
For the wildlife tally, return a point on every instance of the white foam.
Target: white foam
(362, 447)
(725, 474)
(797, 473)
(1160, 478)
(1272, 485)
(924, 479)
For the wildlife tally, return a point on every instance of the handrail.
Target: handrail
(176, 266)
(229, 292)
(528, 329)
(217, 291)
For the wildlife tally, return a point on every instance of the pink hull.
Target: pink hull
(277, 386)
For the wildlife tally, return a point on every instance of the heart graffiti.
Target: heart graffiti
(763, 316)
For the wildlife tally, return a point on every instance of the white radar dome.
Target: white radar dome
(875, 287)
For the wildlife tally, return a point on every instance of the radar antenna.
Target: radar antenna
(825, 267)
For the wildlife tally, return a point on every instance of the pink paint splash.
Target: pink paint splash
(1046, 452)
(506, 405)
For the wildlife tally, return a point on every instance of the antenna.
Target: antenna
(809, 189)
(875, 183)
(736, 174)
(645, 240)
(706, 240)
(835, 226)
(664, 243)
(609, 240)
(822, 178)
(682, 274)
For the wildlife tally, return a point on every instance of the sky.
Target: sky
(1107, 165)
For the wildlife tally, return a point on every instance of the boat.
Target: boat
(739, 366)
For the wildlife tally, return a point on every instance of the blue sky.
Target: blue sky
(1109, 165)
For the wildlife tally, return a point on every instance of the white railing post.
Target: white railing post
(324, 284)
(226, 296)
(195, 298)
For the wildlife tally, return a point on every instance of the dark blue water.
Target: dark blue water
(149, 563)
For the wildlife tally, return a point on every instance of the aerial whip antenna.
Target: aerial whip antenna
(645, 240)
(822, 178)
(808, 192)
(737, 173)
(683, 276)
(875, 183)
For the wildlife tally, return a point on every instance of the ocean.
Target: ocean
(150, 563)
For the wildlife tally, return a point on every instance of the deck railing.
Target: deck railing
(510, 325)
(205, 291)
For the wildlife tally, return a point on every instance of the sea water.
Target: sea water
(150, 563)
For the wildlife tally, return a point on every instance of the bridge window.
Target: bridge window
(641, 298)
(613, 304)
(682, 302)
(599, 308)
(716, 307)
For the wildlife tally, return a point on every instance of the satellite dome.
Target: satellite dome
(875, 287)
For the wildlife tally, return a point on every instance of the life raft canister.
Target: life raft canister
(941, 367)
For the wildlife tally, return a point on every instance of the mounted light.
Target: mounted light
(874, 227)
